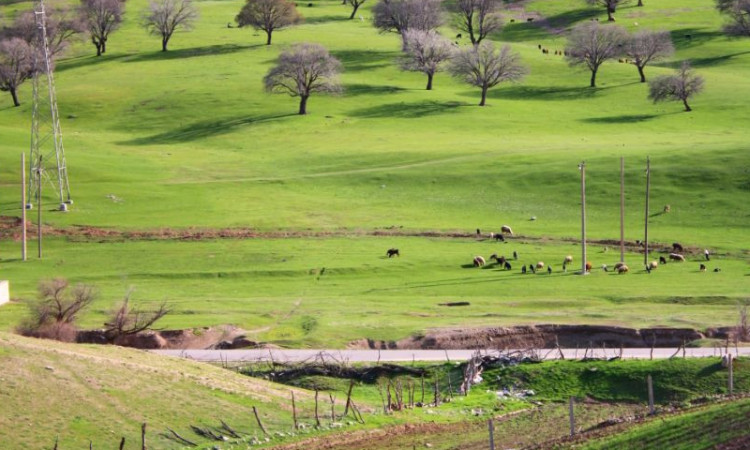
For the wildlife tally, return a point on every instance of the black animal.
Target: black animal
(717, 270)
(515, 255)
(662, 260)
(523, 269)
(458, 36)
(507, 265)
(549, 270)
(540, 46)
(648, 268)
(392, 252)
(500, 237)
(676, 247)
(500, 260)
(531, 267)
(703, 268)
(479, 232)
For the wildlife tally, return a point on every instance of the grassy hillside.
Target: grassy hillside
(101, 394)
(706, 428)
(188, 138)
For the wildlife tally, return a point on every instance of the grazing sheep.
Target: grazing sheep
(703, 268)
(565, 267)
(512, 20)
(500, 237)
(500, 260)
(531, 268)
(667, 209)
(392, 252)
(717, 270)
(648, 269)
(588, 266)
(568, 259)
(540, 265)
(605, 268)
(618, 265)
(705, 253)
(458, 36)
(478, 261)
(515, 254)
(506, 229)
(653, 265)
(523, 269)
(662, 260)
(677, 247)
(549, 270)
(479, 232)
(529, 19)
(676, 257)
(507, 265)
(540, 46)
(622, 269)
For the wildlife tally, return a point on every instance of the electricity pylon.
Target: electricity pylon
(47, 155)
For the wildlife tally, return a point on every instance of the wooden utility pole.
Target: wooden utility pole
(492, 434)
(730, 360)
(622, 209)
(23, 206)
(645, 229)
(582, 168)
(39, 208)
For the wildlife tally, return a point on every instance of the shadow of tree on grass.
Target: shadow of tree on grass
(404, 110)
(202, 130)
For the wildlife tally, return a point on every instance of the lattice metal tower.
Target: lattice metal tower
(47, 156)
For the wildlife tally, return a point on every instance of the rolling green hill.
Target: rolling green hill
(188, 138)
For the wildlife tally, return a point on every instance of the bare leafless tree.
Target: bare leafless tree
(609, 5)
(425, 52)
(591, 44)
(16, 62)
(61, 25)
(479, 18)
(646, 47)
(485, 67)
(738, 12)
(302, 70)
(164, 17)
(55, 313)
(102, 17)
(402, 15)
(268, 15)
(678, 87)
(126, 320)
(355, 4)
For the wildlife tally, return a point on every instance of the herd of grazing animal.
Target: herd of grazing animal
(674, 255)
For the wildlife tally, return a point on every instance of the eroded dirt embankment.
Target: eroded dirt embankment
(545, 336)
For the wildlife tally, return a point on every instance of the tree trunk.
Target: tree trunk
(687, 107)
(268, 33)
(98, 48)
(593, 78)
(640, 3)
(609, 15)
(15, 97)
(484, 96)
(429, 81)
(303, 104)
(164, 42)
(104, 46)
(354, 11)
(640, 72)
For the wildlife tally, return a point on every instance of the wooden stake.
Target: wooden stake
(23, 206)
(731, 373)
(294, 412)
(333, 407)
(571, 417)
(260, 424)
(39, 209)
(645, 228)
(650, 383)
(422, 390)
(437, 392)
(122, 441)
(491, 427)
(348, 398)
(317, 418)
(143, 436)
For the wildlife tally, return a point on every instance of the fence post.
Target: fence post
(572, 417)
(731, 373)
(650, 395)
(492, 433)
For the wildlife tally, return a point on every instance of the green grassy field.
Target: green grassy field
(188, 138)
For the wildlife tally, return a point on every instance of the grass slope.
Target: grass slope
(102, 393)
(706, 428)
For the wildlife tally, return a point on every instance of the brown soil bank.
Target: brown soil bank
(543, 336)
